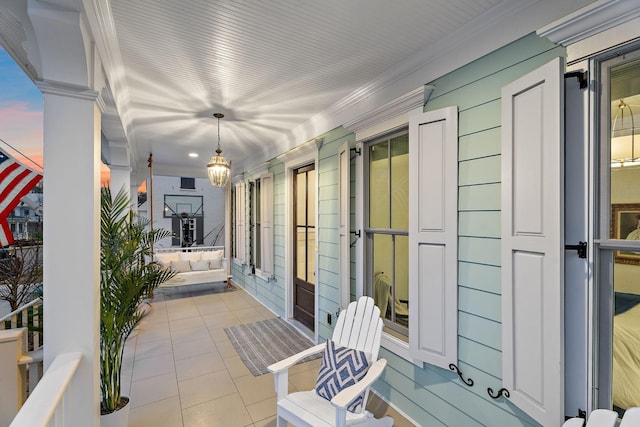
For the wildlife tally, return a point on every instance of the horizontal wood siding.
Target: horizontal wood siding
(433, 396)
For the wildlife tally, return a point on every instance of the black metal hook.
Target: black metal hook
(502, 392)
(468, 382)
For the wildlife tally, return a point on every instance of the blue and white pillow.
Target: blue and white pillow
(341, 367)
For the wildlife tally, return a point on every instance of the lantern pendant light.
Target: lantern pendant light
(218, 168)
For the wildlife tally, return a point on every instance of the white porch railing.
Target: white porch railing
(47, 405)
(28, 316)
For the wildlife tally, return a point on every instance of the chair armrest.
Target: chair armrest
(292, 360)
(346, 396)
(574, 422)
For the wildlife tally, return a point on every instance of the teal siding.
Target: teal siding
(433, 396)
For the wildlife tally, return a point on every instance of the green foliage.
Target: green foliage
(127, 280)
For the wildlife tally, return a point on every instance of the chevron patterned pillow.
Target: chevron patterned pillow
(341, 367)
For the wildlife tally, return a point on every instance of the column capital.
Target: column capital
(64, 89)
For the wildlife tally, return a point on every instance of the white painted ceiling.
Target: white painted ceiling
(272, 66)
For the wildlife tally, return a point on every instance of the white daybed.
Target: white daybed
(194, 265)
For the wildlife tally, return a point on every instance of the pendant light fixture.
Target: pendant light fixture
(623, 145)
(218, 168)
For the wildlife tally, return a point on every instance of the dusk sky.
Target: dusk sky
(20, 112)
(21, 107)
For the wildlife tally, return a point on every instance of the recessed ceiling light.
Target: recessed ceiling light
(193, 154)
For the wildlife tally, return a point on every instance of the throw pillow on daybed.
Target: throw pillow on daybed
(190, 256)
(180, 266)
(341, 367)
(214, 258)
(202, 265)
(164, 259)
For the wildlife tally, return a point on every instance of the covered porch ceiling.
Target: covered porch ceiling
(281, 71)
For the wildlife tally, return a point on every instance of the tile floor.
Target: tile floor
(181, 370)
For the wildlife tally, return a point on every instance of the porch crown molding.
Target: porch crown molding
(590, 20)
(258, 170)
(401, 105)
(302, 152)
(64, 89)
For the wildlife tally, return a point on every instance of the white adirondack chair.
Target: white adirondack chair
(631, 418)
(359, 327)
(597, 418)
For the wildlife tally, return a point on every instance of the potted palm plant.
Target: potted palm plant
(127, 278)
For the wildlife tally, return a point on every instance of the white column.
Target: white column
(71, 232)
(121, 180)
(133, 190)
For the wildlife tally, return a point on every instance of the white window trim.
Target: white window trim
(266, 272)
(240, 241)
(387, 118)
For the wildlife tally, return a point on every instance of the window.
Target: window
(239, 223)
(187, 183)
(387, 225)
(260, 226)
(255, 224)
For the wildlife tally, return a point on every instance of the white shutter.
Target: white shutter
(532, 238)
(240, 220)
(344, 219)
(266, 223)
(433, 236)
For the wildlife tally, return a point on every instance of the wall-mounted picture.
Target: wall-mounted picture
(625, 224)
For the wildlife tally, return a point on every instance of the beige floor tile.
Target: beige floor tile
(226, 349)
(182, 313)
(250, 315)
(190, 334)
(228, 411)
(199, 365)
(205, 387)
(187, 322)
(224, 320)
(187, 349)
(313, 365)
(153, 348)
(164, 413)
(147, 334)
(268, 422)
(152, 366)
(236, 367)
(153, 389)
(263, 409)
(254, 389)
(305, 380)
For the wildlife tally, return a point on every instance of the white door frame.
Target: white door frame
(302, 155)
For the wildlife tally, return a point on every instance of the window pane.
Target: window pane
(400, 182)
(625, 151)
(301, 198)
(379, 185)
(626, 322)
(301, 255)
(311, 254)
(311, 197)
(383, 272)
(257, 232)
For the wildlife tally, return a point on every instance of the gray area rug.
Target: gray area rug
(262, 343)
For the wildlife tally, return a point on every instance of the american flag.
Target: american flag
(16, 180)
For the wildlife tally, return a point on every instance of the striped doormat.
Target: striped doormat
(263, 343)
